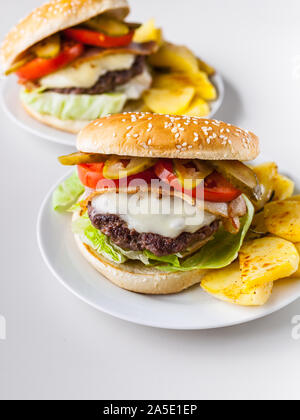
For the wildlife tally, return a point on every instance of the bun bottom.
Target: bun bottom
(70, 126)
(138, 278)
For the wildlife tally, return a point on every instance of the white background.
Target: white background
(57, 347)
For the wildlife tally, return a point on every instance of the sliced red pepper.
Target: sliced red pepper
(98, 39)
(41, 67)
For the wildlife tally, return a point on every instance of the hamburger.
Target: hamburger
(159, 199)
(76, 61)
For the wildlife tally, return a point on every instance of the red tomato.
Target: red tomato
(40, 67)
(164, 170)
(90, 175)
(98, 39)
(216, 188)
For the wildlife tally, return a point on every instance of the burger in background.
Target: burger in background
(79, 60)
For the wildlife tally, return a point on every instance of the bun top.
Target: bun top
(51, 18)
(164, 136)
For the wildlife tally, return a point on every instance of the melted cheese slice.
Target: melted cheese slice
(147, 213)
(136, 86)
(86, 74)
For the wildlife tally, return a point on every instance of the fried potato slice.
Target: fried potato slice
(148, 32)
(167, 101)
(267, 260)
(293, 198)
(283, 187)
(226, 284)
(266, 174)
(282, 218)
(175, 57)
(203, 66)
(172, 81)
(203, 86)
(297, 273)
(198, 108)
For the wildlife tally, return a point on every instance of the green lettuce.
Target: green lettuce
(73, 107)
(219, 252)
(96, 239)
(67, 194)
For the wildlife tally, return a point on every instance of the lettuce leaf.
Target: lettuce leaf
(96, 239)
(73, 107)
(170, 259)
(219, 252)
(67, 194)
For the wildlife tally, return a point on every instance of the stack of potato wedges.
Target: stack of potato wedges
(271, 250)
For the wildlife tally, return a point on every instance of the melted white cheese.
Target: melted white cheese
(86, 74)
(147, 213)
(136, 86)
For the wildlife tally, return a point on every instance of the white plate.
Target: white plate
(190, 310)
(12, 106)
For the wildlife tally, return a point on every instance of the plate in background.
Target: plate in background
(189, 310)
(12, 106)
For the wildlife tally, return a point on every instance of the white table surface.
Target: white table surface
(58, 347)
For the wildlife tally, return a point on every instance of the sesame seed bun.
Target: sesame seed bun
(51, 18)
(69, 126)
(138, 278)
(163, 136)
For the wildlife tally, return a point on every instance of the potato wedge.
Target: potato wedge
(172, 81)
(198, 108)
(267, 260)
(175, 57)
(166, 101)
(283, 187)
(226, 284)
(204, 88)
(148, 32)
(293, 198)
(282, 218)
(203, 66)
(296, 275)
(266, 174)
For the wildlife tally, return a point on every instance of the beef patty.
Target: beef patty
(129, 239)
(109, 81)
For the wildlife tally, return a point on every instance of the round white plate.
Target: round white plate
(12, 106)
(190, 310)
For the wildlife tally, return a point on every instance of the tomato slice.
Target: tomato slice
(91, 174)
(216, 188)
(164, 170)
(98, 39)
(41, 67)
